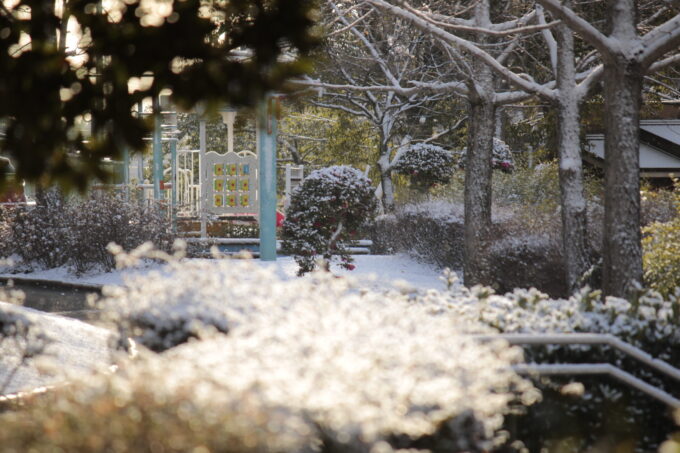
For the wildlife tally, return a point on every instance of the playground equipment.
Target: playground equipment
(205, 184)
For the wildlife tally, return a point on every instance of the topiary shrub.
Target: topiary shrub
(324, 215)
(501, 156)
(425, 165)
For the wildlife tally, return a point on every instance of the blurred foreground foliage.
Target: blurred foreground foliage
(205, 53)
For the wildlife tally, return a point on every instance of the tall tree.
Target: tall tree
(627, 55)
(193, 48)
(476, 81)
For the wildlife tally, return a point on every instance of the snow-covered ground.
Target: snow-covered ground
(78, 346)
(377, 271)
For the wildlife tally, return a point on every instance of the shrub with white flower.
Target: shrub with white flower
(354, 369)
(325, 214)
(425, 165)
(648, 322)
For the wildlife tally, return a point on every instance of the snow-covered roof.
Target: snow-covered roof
(666, 129)
(659, 148)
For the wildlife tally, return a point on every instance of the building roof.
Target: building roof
(659, 148)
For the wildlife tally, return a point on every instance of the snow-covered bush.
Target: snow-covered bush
(649, 322)
(103, 218)
(355, 370)
(325, 213)
(39, 235)
(658, 205)
(425, 165)
(501, 157)
(7, 214)
(661, 258)
(75, 232)
(121, 414)
(431, 231)
(522, 252)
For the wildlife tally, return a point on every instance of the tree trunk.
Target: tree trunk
(622, 250)
(478, 191)
(478, 163)
(386, 179)
(573, 203)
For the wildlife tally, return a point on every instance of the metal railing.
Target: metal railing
(595, 368)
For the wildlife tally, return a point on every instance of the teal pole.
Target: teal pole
(173, 160)
(266, 135)
(126, 173)
(157, 154)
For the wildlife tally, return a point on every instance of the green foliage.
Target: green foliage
(535, 187)
(321, 137)
(325, 213)
(661, 253)
(48, 92)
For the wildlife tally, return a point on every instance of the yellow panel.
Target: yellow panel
(231, 183)
(218, 169)
(245, 185)
(219, 185)
(245, 200)
(219, 201)
(231, 200)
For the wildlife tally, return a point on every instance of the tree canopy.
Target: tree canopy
(71, 62)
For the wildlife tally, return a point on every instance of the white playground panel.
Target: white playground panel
(229, 183)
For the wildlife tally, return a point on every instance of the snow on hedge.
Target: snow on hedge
(426, 165)
(359, 365)
(649, 321)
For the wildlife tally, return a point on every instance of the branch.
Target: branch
(662, 39)
(338, 107)
(549, 40)
(587, 84)
(443, 87)
(371, 48)
(465, 44)
(579, 25)
(487, 31)
(661, 64)
(349, 26)
(358, 88)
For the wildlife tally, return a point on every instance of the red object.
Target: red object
(13, 194)
(351, 267)
(279, 219)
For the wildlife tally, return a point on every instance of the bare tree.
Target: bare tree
(478, 83)
(368, 59)
(627, 56)
(574, 79)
